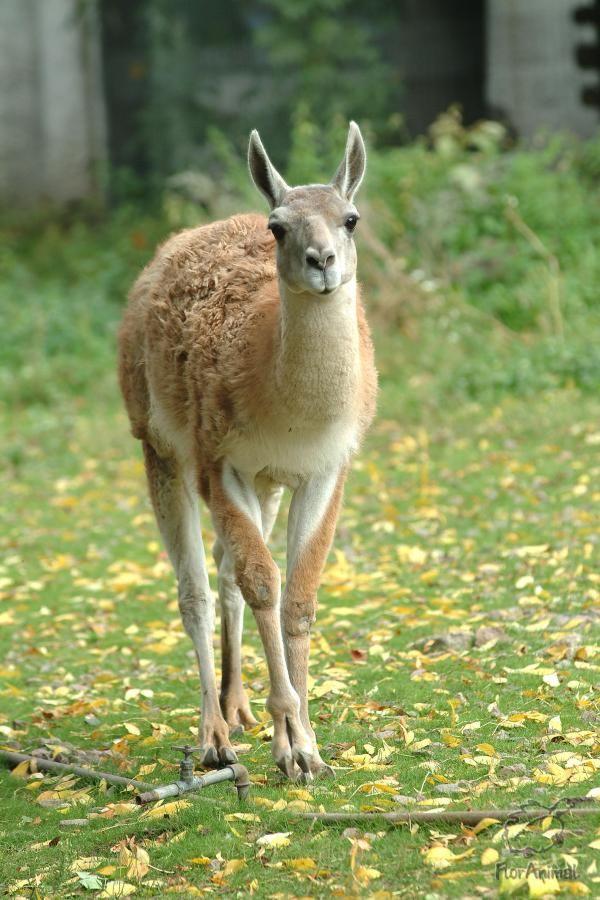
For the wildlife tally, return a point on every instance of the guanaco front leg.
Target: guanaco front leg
(311, 526)
(236, 512)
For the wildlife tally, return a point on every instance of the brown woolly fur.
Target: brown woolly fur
(198, 337)
(246, 364)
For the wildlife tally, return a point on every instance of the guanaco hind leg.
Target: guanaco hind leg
(175, 503)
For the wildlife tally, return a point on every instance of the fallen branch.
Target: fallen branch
(451, 817)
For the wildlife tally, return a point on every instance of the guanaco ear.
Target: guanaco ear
(264, 174)
(352, 167)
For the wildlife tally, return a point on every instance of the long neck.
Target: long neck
(317, 352)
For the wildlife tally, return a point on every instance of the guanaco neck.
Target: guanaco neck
(316, 359)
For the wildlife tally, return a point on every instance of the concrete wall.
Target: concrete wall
(533, 78)
(438, 47)
(52, 122)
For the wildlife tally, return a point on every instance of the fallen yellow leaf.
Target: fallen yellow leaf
(117, 889)
(487, 749)
(575, 887)
(85, 863)
(328, 687)
(232, 866)
(167, 809)
(301, 794)
(21, 770)
(555, 725)
(365, 874)
(509, 885)
(136, 860)
(483, 824)
(439, 857)
(278, 839)
(242, 817)
(300, 865)
(542, 887)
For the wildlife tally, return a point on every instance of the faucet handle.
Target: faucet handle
(186, 749)
(186, 765)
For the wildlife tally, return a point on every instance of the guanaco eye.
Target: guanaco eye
(351, 222)
(277, 230)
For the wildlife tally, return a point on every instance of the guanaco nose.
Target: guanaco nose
(320, 259)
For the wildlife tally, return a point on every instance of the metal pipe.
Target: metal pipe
(53, 766)
(236, 773)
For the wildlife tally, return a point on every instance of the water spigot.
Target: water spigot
(186, 766)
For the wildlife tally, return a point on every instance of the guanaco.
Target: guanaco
(246, 365)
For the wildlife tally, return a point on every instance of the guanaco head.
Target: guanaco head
(313, 224)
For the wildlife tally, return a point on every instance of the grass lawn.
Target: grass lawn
(455, 661)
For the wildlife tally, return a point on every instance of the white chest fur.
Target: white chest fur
(310, 423)
(290, 452)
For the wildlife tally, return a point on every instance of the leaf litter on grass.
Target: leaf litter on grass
(454, 663)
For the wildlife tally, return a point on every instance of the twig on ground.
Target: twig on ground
(460, 816)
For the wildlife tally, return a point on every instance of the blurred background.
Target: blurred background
(466, 553)
(120, 122)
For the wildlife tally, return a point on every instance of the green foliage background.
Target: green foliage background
(480, 262)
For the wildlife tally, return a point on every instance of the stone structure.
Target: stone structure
(512, 59)
(532, 75)
(52, 124)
